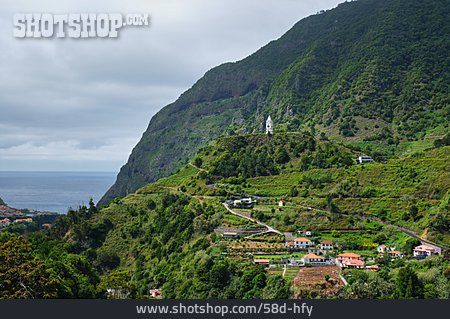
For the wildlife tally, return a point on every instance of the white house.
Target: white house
(312, 258)
(395, 253)
(424, 251)
(364, 159)
(281, 203)
(326, 245)
(302, 243)
(269, 126)
(244, 202)
(315, 260)
(382, 249)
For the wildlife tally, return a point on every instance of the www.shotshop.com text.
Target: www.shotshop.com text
(223, 310)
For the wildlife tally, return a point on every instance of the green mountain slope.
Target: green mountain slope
(167, 234)
(373, 72)
(411, 192)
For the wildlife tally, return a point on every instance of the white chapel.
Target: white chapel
(269, 126)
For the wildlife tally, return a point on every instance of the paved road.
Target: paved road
(438, 247)
(269, 228)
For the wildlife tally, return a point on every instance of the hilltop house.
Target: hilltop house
(302, 243)
(350, 260)
(269, 126)
(424, 251)
(326, 245)
(364, 159)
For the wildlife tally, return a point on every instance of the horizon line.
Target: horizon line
(56, 171)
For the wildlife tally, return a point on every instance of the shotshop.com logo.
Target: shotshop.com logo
(74, 25)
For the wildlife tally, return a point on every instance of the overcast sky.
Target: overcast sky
(83, 104)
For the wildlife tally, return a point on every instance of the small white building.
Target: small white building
(281, 203)
(269, 126)
(244, 202)
(364, 159)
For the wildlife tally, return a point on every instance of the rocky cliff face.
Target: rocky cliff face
(372, 70)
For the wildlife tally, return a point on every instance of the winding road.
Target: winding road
(269, 228)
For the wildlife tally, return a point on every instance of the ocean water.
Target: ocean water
(53, 191)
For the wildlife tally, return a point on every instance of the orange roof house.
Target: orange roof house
(351, 260)
(349, 256)
(373, 267)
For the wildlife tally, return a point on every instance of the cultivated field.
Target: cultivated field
(310, 282)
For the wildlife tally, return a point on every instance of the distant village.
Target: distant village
(13, 216)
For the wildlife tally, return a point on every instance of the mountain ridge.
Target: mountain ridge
(364, 70)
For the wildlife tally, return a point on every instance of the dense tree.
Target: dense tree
(22, 275)
(408, 285)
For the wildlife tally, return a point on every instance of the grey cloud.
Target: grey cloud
(71, 104)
